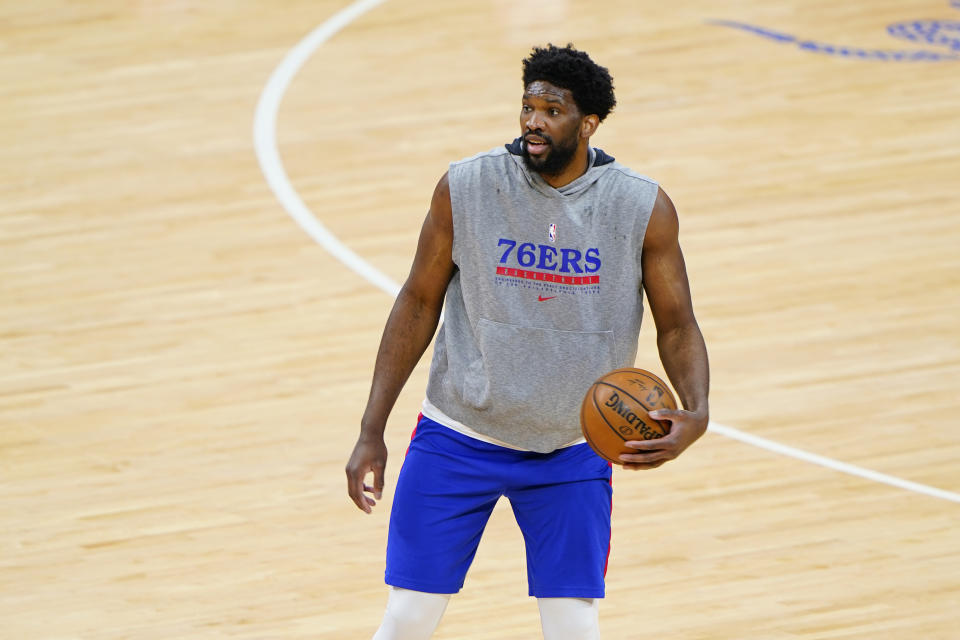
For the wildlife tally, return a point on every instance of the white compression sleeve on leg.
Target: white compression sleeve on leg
(411, 615)
(569, 618)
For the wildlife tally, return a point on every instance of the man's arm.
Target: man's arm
(679, 341)
(408, 332)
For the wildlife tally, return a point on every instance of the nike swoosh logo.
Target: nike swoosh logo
(541, 298)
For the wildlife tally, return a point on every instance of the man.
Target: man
(542, 250)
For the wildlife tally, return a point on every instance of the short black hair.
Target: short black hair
(567, 68)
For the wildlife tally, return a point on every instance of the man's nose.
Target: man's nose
(534, 121)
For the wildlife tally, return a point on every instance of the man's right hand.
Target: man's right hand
(369, 455)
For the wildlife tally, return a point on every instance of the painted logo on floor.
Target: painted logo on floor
(944, 34)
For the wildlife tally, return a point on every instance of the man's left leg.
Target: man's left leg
(569, 618)
(562, 502)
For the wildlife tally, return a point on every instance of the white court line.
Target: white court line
(830, 463)
(265, 145)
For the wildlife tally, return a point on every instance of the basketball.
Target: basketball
(615, 410)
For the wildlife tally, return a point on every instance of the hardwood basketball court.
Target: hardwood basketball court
(183, 367)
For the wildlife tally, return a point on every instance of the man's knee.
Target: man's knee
(569, 618)
(411, 615)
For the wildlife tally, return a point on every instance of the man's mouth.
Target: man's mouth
(536, 144)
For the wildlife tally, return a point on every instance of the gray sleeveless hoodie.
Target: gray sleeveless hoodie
(547, 296)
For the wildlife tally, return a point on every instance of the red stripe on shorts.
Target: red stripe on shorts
(610, 540)
(419, 418)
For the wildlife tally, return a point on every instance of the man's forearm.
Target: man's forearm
(407, 334)
(684, 357)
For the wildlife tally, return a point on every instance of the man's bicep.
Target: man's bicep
(433, 264)
(664, 271)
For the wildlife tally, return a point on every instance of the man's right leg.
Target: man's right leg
(411, 615)
(445, 493)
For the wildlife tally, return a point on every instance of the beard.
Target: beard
(558, 156)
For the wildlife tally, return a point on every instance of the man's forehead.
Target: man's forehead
(547, 91)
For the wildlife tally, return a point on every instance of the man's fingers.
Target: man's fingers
(362, 503)
(641, 467)
(631, 459)
(660, 444)
(665, 414)
(647, 457)
(355, 488)
(368, 456)
(378, 481)
(368, 489)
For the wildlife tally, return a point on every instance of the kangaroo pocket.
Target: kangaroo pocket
(537, 377)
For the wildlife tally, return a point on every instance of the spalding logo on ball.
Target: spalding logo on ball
(616, 409)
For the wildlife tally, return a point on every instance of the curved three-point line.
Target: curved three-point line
(265, 145)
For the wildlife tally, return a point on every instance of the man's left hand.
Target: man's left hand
(685, 428)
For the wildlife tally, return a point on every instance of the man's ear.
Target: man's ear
(588, 126)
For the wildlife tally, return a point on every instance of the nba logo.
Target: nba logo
(552, 232)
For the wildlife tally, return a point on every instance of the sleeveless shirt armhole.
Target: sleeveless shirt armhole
(452, 170)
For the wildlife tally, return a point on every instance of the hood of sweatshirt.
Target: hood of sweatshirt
(598, 164)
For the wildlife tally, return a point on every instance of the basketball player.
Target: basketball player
(541, 249)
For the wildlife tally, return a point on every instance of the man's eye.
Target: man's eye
(554, 112)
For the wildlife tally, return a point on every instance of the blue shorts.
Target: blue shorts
(447, 488)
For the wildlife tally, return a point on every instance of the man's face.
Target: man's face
(550, 127)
